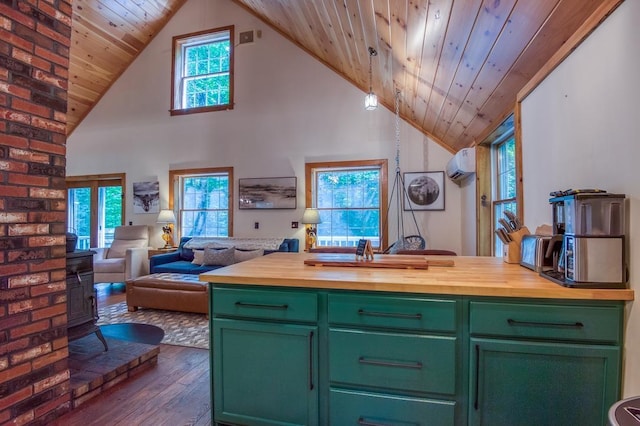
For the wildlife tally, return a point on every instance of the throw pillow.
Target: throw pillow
(242, 255)
(219, 257)
(119, 248)
(198, 257)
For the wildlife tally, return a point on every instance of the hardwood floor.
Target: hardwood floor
(175, 392)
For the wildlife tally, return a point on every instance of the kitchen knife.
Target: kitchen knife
(506, 225)
(513, 219)
(503, 235)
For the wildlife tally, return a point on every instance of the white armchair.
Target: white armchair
(127, 257)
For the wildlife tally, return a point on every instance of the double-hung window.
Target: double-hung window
(202, 199)
(351, 199)
(202, 71)
(504, 160)
(498, 184)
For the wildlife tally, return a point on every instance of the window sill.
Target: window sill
(200, 109)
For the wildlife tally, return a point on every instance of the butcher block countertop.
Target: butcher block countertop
(470, 275)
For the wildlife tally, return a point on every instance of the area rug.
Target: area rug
(180, 328)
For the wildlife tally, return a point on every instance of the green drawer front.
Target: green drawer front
(393, 312)
(557, 322)
(361, 408)
(405, 362)
(265, 304)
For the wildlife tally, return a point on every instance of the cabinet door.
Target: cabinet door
(265, 373)
(535, 383)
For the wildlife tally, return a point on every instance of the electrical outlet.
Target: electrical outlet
(256, 225)
(294, 225)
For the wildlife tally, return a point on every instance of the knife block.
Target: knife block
(512, 250)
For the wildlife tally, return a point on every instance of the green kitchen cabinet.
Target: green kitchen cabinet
(265, 372)
(293, 356)
(543, 364)
(379, 409)
(395, 360)
(534, 383)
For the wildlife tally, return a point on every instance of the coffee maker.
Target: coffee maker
(588, 243)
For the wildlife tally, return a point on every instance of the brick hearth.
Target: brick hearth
(93, 370)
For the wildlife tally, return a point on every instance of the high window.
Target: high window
(351, 199)
(202, 71)
(202, 199)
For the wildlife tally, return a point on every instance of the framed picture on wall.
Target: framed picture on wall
(423, 191)
(146, 197)
(268, 193)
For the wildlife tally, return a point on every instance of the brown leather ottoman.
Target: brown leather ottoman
(172, 292)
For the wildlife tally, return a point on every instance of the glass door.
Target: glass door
(94, 209)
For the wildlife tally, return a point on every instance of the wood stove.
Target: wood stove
(82, 302)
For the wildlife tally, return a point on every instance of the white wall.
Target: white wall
(289, 109)
(580, 129)
(469, 218)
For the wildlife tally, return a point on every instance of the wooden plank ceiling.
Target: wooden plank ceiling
(106, 37)
(456, 64)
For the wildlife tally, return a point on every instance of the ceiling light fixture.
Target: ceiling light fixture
(371, 100)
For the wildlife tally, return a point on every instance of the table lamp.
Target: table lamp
(311, 218)
(168, 218)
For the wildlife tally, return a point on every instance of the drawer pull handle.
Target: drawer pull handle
(262, 305)
(546, 324)
(311, 361)
(477, 383)
(417, 365)
(389, 314)
(363, 422)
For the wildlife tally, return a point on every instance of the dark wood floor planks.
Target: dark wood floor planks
(175, 392)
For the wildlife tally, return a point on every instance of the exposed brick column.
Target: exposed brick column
(34, 54)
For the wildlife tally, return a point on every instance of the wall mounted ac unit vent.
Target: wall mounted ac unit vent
(462, 164)
(249, 36)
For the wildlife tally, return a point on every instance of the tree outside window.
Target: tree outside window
(203, 199)
(505, 184)
(349, 197)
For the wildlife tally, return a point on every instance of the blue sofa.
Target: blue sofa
(179, 261)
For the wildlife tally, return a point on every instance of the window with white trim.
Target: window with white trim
(202, 74)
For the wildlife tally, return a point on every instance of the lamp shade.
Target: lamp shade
(311, 217)
(166, 216)
(370, 101)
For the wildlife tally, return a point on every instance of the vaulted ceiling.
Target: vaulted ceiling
(456, 65)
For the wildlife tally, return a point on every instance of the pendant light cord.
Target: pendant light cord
(370, 72)
(397, 105)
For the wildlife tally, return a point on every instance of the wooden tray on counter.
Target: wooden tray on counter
(401, 262)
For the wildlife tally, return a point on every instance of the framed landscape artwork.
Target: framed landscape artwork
(424, 191)
(268, 193)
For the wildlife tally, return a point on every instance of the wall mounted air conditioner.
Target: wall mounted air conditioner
(462, 164)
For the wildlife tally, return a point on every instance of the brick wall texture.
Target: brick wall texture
(34, 53)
